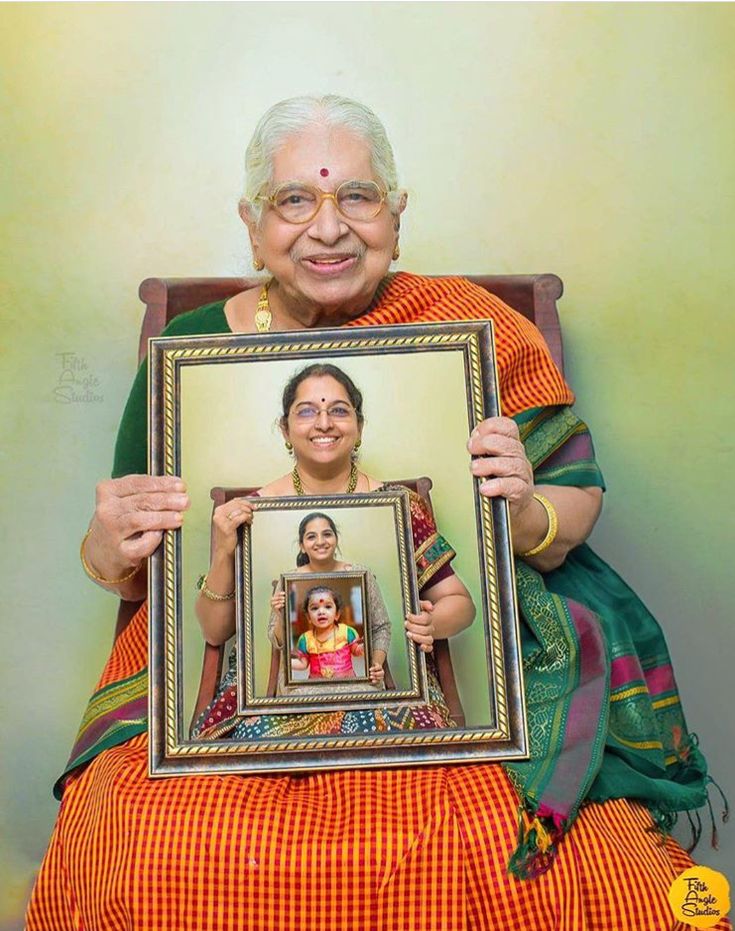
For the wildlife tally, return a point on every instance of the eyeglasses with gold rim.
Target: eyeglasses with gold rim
(299, 202)
(340, 410)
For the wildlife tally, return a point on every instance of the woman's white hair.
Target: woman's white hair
(291, 117)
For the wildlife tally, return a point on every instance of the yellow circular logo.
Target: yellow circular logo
(700, 897)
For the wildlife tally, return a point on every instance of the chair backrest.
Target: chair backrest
(534, 296)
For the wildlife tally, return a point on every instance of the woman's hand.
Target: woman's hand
(225, 521)
(217, 617)
(278, 601)
(130, 516)
(420, 627)
(502, 461)
(376, 673)
(275, 622)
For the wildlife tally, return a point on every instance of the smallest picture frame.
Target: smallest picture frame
(327, 630)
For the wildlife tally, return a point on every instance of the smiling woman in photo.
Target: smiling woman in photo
(322, 424)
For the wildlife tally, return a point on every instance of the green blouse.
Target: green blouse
(131, 447)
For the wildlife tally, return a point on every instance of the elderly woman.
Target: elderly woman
(427, 847)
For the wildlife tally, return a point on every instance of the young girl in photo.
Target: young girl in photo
(327, 648)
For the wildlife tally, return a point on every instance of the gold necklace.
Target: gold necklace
(327, 671)
(299, 488)
(263, 315)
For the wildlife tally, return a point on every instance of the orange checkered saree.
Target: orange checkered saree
(426, 848)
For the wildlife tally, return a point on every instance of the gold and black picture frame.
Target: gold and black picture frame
(339, 656)
(376, 593)
(214, 406)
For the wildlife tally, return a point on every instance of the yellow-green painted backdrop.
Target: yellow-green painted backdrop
(593, 140)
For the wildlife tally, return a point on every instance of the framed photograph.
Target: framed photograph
(281, 666)
(327, 636)
(215, 402)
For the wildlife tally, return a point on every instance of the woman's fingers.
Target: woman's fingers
(492, 426)
(225, 521)
(420, 636)
(420, 627)
(501, 466)
(500, 459)
(240, 506)
(138, 503)
(138, 548)
(130, 515)
(134, 522)
(496, 437)
(233, 513)
(139, 484)
(158, 501)
(516, 490)
(240, 517)
(376, 673)
(495, 444)
(423, 619)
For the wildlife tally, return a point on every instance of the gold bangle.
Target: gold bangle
(208, 593)
(550, 533)
(98, 578)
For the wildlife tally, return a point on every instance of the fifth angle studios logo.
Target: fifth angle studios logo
(700, 897)
(76, 384)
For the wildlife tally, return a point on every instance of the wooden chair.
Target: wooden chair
(534, 296)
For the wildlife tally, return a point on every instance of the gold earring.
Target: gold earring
(396, 253)
(258, 265)
(289, 448)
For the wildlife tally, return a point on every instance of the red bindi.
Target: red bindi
(324, 172)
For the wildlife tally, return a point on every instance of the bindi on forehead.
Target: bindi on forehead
(324, 172)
